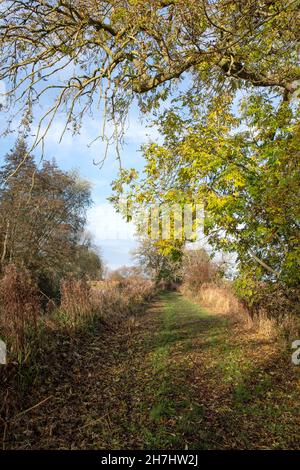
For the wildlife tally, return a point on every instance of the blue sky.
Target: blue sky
(111, 233)
(114, 237)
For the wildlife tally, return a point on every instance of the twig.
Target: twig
(4, 436)
(92, 423)
(31, 408)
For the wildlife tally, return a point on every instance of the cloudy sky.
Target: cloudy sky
(111, 233)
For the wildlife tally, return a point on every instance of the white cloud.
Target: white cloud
(106, 224)
(117, 253)
(114, 236)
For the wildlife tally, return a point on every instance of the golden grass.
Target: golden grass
(220, 298)
(20, 310)
(22, 320)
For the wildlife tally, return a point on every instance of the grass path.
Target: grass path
(174, 377)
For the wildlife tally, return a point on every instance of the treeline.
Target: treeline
(51, 275)
(44, 247)
(42, 224)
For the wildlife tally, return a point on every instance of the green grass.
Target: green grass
(174, 409)
(247, 397)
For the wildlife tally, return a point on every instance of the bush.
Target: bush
(274, 307)
(198, 269)
(273, 300)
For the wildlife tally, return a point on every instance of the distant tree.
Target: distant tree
(115, 276)
(198, 268)
(87, 260)
(132, 271)
(126, 272)
(159, 261)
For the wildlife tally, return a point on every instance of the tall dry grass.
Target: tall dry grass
(110, 301)
(277, 323)
(275, 311)
(77, 306)
(117, 299)
(20, 310)
(22, 319)
(220, 298)
(203, 282)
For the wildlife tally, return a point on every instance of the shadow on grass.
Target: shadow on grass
(251, 401)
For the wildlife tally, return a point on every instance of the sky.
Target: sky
(113, 236)
(111, 233)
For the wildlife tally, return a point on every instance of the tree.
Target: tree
(198, 268)
(87, 261)
(126, 272)
(122, 48)
(43, 213)
(244, 168)
(159, 260)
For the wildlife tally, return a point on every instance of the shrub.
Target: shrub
(275, 308)
(198, 269)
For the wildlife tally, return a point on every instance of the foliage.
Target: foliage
(159, 260)
(244, 168)
(276, 300)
